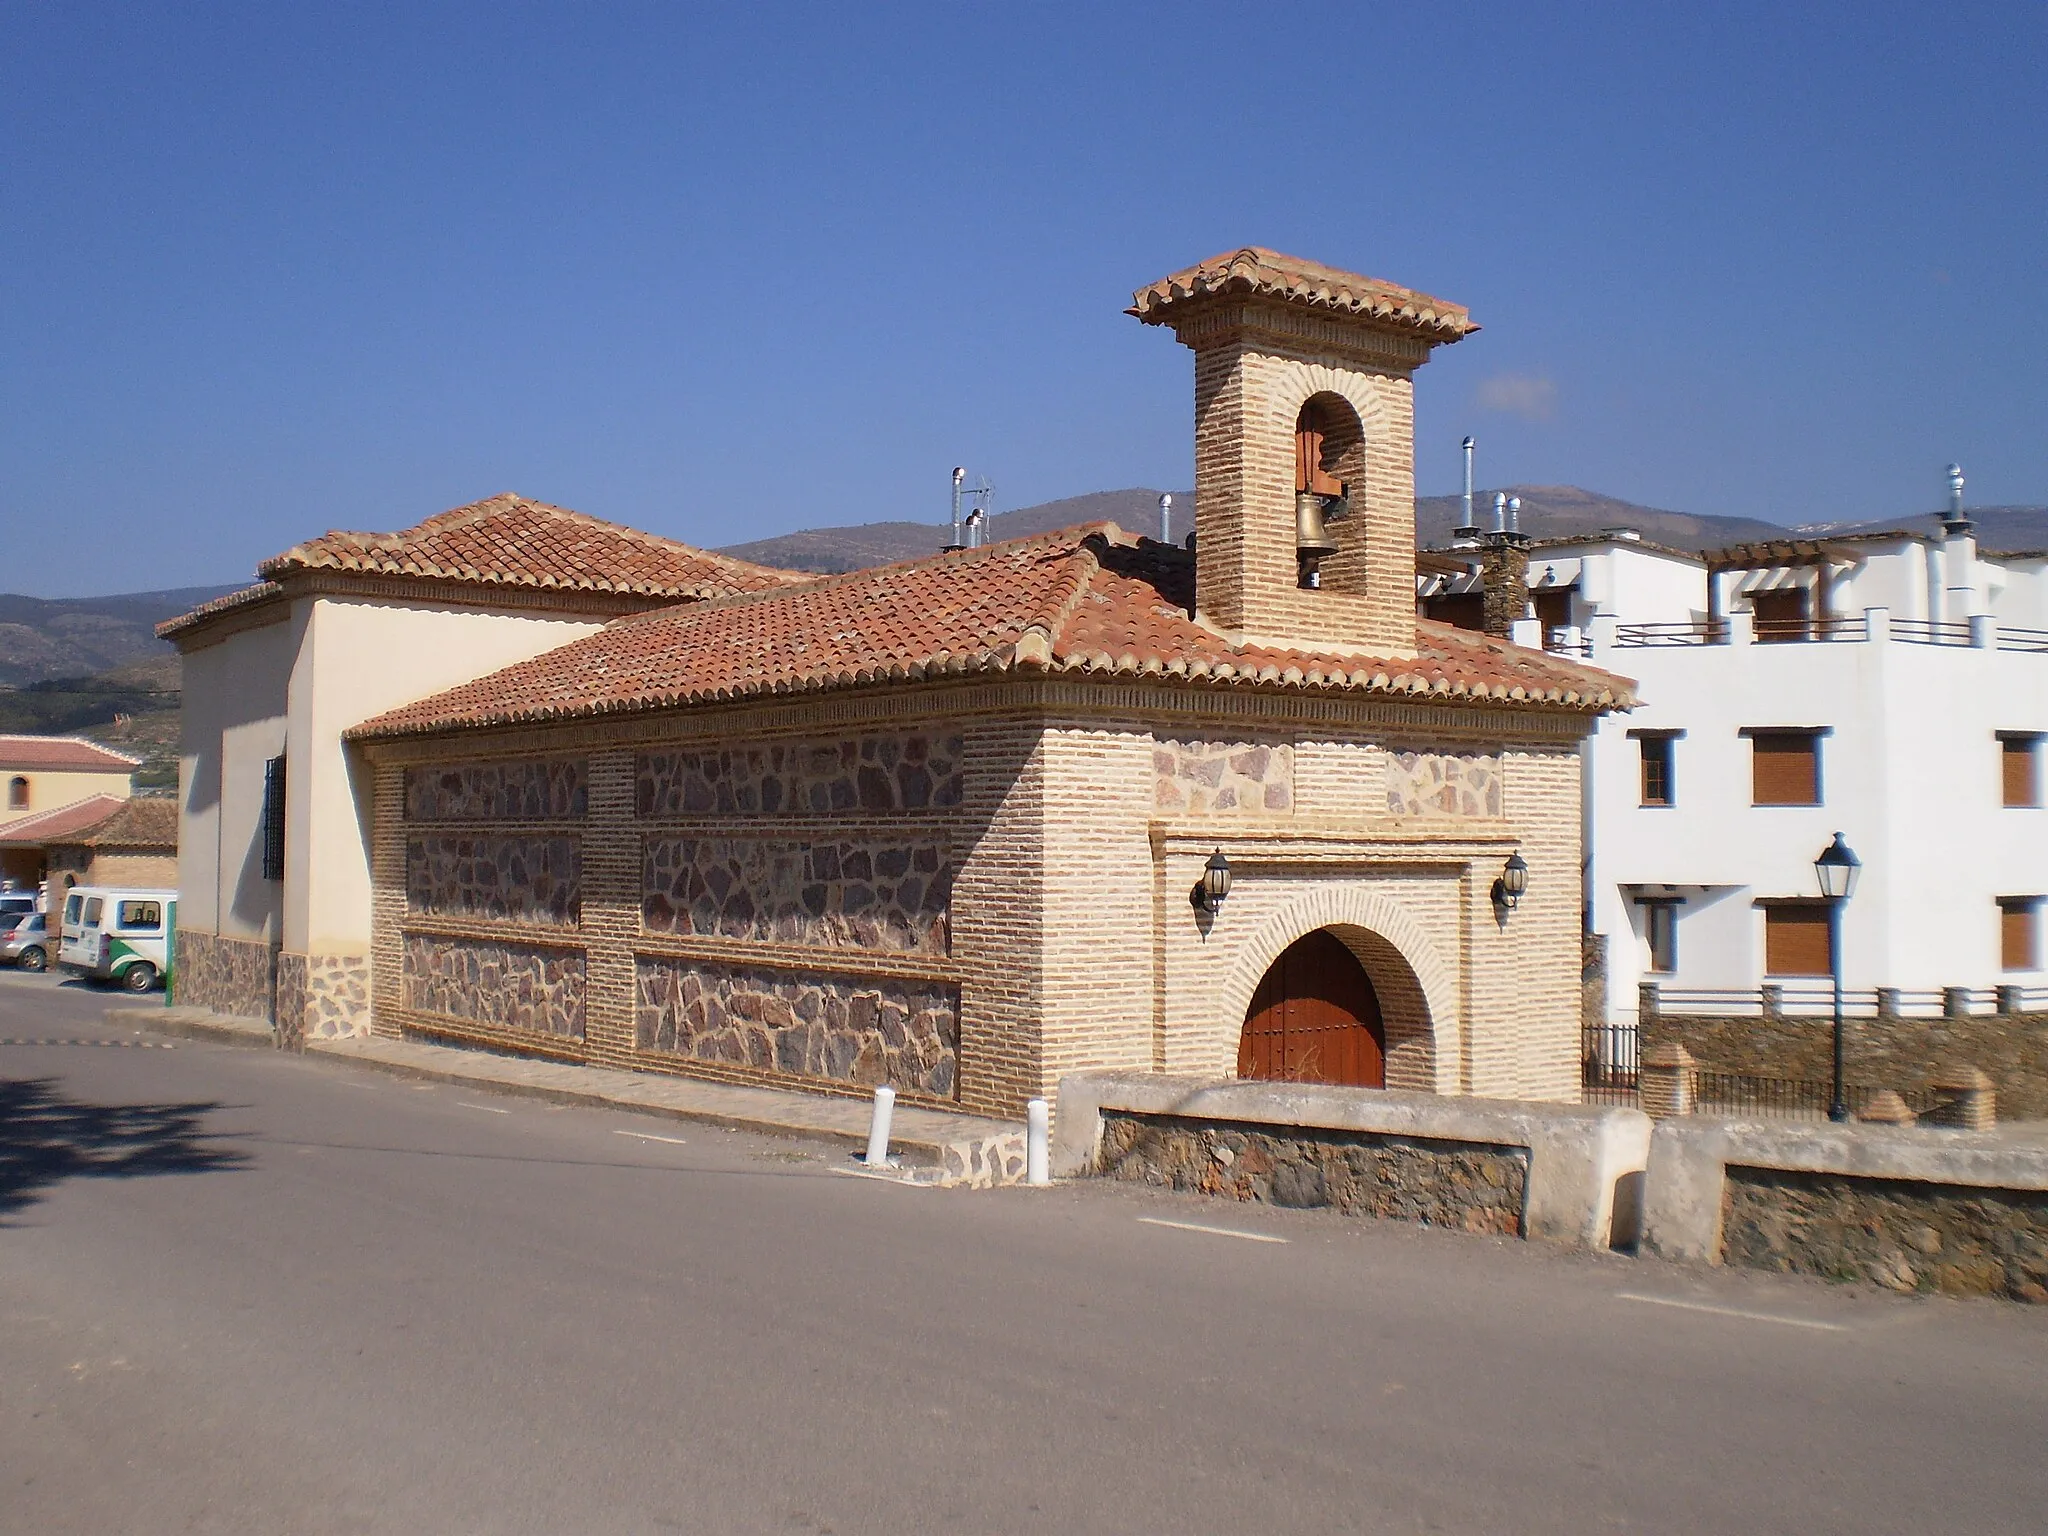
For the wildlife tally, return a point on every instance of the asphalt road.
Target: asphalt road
(246, 1292)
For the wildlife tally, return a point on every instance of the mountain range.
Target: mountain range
(85, 637)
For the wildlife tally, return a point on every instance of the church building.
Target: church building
(968, 823)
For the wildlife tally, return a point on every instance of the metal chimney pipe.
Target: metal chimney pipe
(1468, 523)
(1514, 514)
(1166, 517)
(959, 475)
(1956, 517)
(1500, 511)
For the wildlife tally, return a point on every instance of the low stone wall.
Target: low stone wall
(1901, 1054)
(232, 976)
(1961, 1212)
(1564, 1172)
(1931, 1237)
(1436, 1183)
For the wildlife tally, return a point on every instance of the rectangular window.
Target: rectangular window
(273, 819)
(1784, 766)
(1796, 939)
(1660, 928)
(93, 908)
(1659, 787)
(140, 914)
(2019, 928)
(2019, 772)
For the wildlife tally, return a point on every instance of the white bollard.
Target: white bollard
(878, 1128)
(1037, 1133)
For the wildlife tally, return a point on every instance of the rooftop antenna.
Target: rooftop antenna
(1957, 520)
(1166, 517)
(1467, 531)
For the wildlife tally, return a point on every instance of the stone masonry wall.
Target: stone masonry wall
(231, 976)
(1902, 1235)
(868, 893)
(337, 996)
(855, 1030)
(502, 879)
(526, 790)
(291, 1000)
(1437, 1183)
(1902, 1054)
(1218, 777)
(1442, 784)
(502, 986)
(911, 771)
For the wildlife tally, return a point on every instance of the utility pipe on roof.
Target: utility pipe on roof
(1166, 517)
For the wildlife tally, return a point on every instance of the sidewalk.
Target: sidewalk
(940, 1148)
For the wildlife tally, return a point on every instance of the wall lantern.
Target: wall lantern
(1513, 881)
(1213, 889)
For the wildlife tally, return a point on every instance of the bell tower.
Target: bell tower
(1304, 444)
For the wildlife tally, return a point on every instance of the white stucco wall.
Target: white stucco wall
(1910, 774)
(232, 723)
(360, 657)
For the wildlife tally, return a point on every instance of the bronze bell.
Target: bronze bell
(1311, 539)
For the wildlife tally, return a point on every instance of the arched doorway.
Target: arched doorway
(1315, 1019)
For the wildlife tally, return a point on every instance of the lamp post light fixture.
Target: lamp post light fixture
(1836, 869)
(1213, 889)
(1513, 881)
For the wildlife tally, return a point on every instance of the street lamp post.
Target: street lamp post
(1837, 869)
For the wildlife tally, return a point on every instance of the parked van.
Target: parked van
(112, 934)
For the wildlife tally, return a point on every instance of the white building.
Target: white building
(1892, 687)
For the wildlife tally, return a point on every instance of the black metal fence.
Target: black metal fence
(1610, 1064)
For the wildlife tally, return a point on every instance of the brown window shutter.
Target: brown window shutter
(2016, 929)
(1786, 766)
(1796, 940)
(2017, 767)
(1310, 428)
(1781, 615)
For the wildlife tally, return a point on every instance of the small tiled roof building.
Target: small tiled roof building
(939, 824)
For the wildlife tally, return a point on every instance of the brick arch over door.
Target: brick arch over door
(1417, 990)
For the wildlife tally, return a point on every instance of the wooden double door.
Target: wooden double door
(1315, 1019)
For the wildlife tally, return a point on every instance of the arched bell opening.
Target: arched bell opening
(1329, 459)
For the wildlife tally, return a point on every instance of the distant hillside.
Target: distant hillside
(1548, 511)
(864, 544)
(2008, 529)
(73, 637)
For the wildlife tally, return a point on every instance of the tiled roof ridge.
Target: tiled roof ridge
(1256, 269)
(241, 597)
(25, 827)
(70, 739)
(399, 553)
(129, 825)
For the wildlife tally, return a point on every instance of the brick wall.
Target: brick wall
(1019, 912)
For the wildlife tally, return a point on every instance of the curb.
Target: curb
(976, 1161)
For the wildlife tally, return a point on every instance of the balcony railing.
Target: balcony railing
(1964, 635)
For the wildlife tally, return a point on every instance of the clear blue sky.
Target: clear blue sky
(725, 271)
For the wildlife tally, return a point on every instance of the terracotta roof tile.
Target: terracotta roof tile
(60, 753)
(1256, 271)
(509, 541)
(1084, 601)
(140, 822)
(59, 823)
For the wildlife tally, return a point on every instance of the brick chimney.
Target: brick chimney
(1504, 578)
(1304, 387)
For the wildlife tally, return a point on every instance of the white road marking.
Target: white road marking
(1194, 1226)
(1752, 1317)
(674, 1141)
(489, 1109)
(880, 1177)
